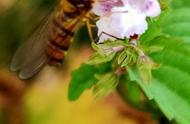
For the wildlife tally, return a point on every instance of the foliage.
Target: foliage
(79, 82)
(159, 64)
(105, 85)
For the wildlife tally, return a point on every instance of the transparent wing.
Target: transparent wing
(31, 56)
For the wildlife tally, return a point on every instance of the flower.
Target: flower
(150, 8)
(123, 18)
(121, 25)
(102, 7)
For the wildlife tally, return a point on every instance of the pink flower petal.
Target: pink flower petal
(150, 7)
(102, 7)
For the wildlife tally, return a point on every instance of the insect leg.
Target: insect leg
(89, 28)
(88, 20)
(108, 35)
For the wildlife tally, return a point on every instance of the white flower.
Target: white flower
(121, 25)
(122, 19)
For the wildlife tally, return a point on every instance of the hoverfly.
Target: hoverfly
(50, 42)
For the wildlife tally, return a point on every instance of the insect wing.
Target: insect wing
(31, 56)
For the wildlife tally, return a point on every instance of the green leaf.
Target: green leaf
(105, 85)
(95, 46)
(145, 66)
(104, 52)
(170, 23)
(153, 49)
(97, 58)
(127, 57)
(177, 23)
(108, 47)
(122, 57)
(82, 79)
(180, 3)
(170, 84)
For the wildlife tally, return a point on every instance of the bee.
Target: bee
(50, 42)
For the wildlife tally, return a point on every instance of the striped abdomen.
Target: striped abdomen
(32, 55)
(62, 29)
